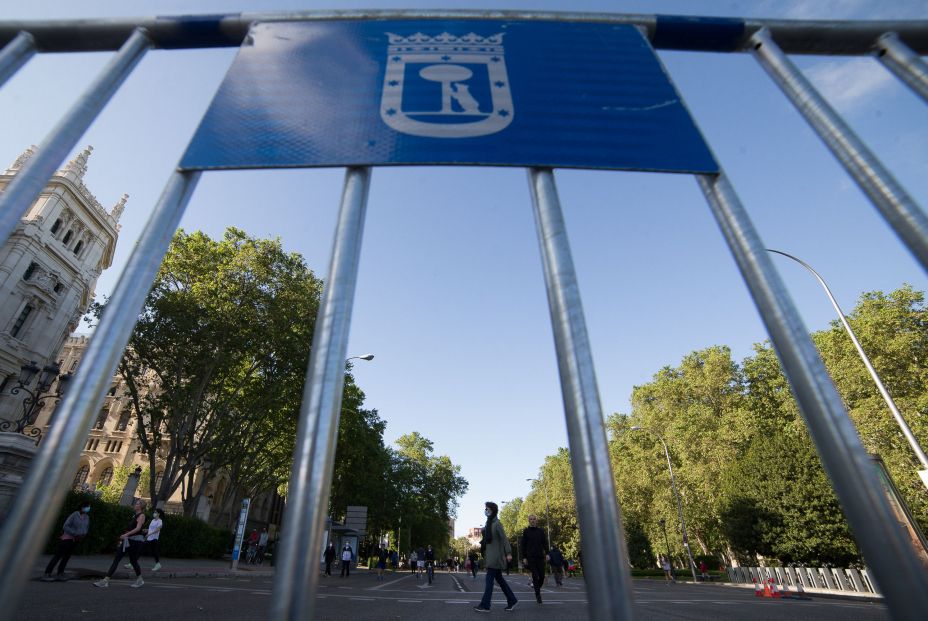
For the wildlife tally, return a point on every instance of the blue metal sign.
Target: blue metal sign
(489, 92)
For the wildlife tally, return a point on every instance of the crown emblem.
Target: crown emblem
(446, 43)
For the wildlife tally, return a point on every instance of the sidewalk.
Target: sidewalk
(85, 567)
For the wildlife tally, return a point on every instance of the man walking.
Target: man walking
(535, 547)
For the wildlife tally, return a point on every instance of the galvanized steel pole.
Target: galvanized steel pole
(881, 537)
(903, 62)
(906, 431)
(38, 169)
(30, 519)
(603, 539)
(297, 574)
(15, 54)
(892, 201)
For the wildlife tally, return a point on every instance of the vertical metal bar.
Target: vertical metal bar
(297, 574)
(903, 62)
(30, 520)
(38, 169)
(882, 539)
(891, 200)
(604, 550)
(15, 54)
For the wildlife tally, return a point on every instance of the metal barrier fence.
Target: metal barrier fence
(898, 45)
(807, 579)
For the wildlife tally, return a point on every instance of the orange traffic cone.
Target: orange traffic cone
(767, 592)
(757, 590)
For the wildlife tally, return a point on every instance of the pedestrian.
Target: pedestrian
(153, 539)
(534, 550)
(668, 570)
(556, 559)
(381, 562)
(496, 554)
(130, 542)
(414, 562)
(420, 562)
(262, 545)
(329, 558)
(347, 554)
(394, 560)
(472, 559)
(75, 527)
(703, 571)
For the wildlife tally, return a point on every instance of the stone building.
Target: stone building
(48, 270)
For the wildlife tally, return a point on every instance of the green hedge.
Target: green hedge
(182, 537)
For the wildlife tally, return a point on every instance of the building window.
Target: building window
(67, 237)
(158, 478)
(123, 419)
(73, 366)
(78, 246)
(101, 418)
(106, 476)
(56, 225)
(112, 391)
(23, 316)
(58, 287)
(30, 270)
(81, 477)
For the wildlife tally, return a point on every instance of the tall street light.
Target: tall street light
(547, 510)
(913, 442)
(676, 495)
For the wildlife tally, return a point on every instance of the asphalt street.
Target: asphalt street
(403, 596)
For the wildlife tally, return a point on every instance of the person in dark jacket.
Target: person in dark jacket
(329, 558)
(496, 553)
(75, 528)
(557, 565)
(535, 547)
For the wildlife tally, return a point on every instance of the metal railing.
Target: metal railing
(897, 44)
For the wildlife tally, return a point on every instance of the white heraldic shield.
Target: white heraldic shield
(446, 86)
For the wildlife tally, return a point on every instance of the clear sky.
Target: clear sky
(451, 298)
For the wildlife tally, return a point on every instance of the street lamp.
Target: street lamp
(547, 510)
(676, 495)
(913, 442)
(35, 400)
(367, 357)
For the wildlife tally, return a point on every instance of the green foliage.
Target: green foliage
(112, 493)
(640, 553)
(214, 368)
(749, 479)
(190, 537)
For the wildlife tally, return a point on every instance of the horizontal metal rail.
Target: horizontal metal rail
(710, 34)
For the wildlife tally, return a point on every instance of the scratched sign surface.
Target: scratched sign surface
(488, 92)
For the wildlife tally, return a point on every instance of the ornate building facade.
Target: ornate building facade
(48, 270)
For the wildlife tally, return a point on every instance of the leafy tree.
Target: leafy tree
(215, 365)
(428, 488)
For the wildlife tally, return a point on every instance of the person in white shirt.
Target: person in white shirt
(152, 538)
(347, 554)
(262, 545)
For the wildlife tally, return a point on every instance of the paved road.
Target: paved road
(401, 596)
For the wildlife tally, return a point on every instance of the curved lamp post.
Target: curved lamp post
(913, 442)
(547, 510)
(367, 357)
(676, 495)
(35, 400)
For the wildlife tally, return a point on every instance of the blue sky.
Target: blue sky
(451, 298)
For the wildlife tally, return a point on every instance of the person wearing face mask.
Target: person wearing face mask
(75, 527)
(496, 553)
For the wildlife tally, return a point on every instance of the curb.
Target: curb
(825, 593)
